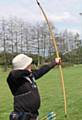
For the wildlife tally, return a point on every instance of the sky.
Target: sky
(65, 14)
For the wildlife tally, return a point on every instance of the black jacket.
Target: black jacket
(24, 89)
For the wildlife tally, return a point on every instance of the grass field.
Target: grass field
(51, 94)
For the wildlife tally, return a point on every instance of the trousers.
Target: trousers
(22, 116)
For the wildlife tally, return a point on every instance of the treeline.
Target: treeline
(74, 56)
(18, 36)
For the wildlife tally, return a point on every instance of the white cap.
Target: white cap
(21, 61)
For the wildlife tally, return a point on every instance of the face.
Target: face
(29, 68)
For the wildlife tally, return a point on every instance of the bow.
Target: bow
(57, 54)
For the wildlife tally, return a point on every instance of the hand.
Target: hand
(58, 61)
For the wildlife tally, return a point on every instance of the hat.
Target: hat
(21, 61)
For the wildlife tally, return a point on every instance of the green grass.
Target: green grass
(51, 94)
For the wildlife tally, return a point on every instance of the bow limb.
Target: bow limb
(57, 54)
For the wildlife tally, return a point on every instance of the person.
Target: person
(21, 81)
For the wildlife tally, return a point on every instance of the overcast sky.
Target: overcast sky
(63, 13)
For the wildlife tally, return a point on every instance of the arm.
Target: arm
(44, 69)
(40, 72)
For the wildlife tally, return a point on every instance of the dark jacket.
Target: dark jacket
(24, 89)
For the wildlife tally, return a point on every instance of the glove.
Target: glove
(58, 61)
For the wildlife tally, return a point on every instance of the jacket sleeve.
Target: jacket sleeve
(44, 69)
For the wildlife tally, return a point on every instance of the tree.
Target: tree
(4, 44)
